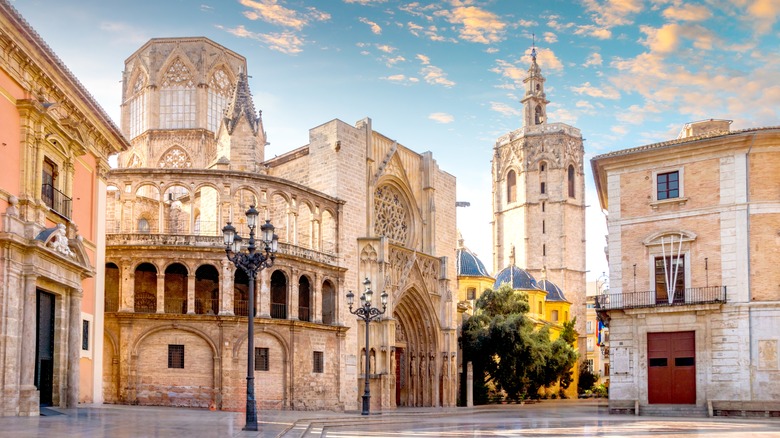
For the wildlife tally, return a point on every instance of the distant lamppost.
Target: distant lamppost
(251, 262)
(367, 314)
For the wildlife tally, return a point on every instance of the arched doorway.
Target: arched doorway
(417, 358)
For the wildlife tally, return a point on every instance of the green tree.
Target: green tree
(507, 352)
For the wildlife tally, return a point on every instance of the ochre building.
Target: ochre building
(349, 205)
(694, 244)
(55, 142)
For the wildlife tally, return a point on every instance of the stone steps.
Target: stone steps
(673, 411)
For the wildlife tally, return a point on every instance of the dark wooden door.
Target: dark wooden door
(399, 353)
(44, 349)
(671, 372)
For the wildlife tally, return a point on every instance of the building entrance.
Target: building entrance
(44, 349)
(671, 371)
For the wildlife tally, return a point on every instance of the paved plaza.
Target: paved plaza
(561, 418)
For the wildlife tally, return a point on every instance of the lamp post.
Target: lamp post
(367, 314)
(251, 262)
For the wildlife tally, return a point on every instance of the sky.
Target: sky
(446, 76)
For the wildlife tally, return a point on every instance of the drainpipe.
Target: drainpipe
(749, 290)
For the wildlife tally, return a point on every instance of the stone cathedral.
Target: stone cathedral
(349, 205)
(539, 202)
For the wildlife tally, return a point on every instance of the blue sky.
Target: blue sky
(446, 76)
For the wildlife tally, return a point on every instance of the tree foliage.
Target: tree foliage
(503, 346)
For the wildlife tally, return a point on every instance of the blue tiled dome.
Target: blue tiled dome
(554, 293)
(468, 265)
(518, 278)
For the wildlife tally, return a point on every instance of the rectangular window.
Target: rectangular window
(542, 189)
(85, 335)
(48, 179)
(262, 359)
(471, 293)
(668, 185)
(669, 279)
(175, 356)
(589, 326)
(590, 344)
(319, 362)
(543, 227)
(590, 365)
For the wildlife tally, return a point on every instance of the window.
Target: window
(219, 96)
(85, 335)
(589, 365)
(143, 226)
(571, 181)
(48, 180)
(262, 359)
(590, 344)
(318, 364)
(554, 315)
(544, 249)
(589, 327)
(542, 167)
(669, 279)
(177, 98)
(542, 207)
(175, 356)
(541, 310)
(138, 107)
(543, 227)
(668, 185)
(471, 293)
(542, 189)
(511, 186)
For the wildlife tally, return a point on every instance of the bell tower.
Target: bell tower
(534, 102)
(539, 197)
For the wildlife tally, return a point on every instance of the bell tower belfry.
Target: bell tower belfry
(539, 197)
(534, 102)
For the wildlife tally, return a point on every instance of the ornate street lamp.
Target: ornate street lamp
(251, 262)
(367, 314)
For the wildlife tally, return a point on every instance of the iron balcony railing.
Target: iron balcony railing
(57, 201)
(682, 297)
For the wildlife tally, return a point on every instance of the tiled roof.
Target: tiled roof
(516, 277)
(469, 265)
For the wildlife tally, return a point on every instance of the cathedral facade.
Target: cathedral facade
(351, 204)
(539, 200)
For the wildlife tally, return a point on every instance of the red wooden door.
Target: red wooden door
(671, 371)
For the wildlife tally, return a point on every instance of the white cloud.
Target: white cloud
(424, 59)
(375, 28)
(477, 25)
(550, 37)
(435, 76)
(604, 92)
(504, 109)
(272, 12)
(593, 60)
(441, 117)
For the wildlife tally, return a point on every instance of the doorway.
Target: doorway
(671, 371)
(44, 349)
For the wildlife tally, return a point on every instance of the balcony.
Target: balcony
(644, 299)
(57, 201)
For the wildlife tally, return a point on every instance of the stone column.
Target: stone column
(74, 348)
(469, 385)
(160, 292)
(29, 398)
(127, 289)
(191, 295)
(316, 300)
(226, 289)
(264, 302)
(292, 298)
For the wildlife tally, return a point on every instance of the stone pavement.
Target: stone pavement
(552, 418)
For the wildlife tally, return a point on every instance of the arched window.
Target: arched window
(219, 95)
(304, 299)
(240, 293)
(176, 289)
(328, 303)
(177, 98)
(538, 116)
(554, 315)
(571, 181)
(145, 290)
(143, 226)
(278, 295)
(138, 106)
(206, 290)
(511, 186)
(112, 288)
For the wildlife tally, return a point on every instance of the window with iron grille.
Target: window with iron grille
(262, 359)
(175, 356)
(668, 185)
(319, 362)
(85, 335)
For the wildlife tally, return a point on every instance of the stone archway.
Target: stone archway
(417, 346)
